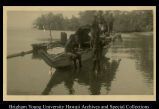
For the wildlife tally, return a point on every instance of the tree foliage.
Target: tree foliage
(122, 21)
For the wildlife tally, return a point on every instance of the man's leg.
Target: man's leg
(74, 61)
(75, 64)
(98, 64)
(98, 59)
(80, 62)
(94, 64)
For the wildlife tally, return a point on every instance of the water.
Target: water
(127, 68)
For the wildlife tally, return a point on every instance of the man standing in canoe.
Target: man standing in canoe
(95, 40)
(99, 32)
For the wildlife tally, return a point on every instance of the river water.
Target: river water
(127, 68)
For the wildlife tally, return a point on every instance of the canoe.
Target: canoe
(63, 59)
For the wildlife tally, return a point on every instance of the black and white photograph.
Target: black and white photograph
(79, 53)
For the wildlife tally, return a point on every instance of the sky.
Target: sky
(25, 19)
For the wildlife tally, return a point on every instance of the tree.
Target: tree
(86, 17)
(122, 21)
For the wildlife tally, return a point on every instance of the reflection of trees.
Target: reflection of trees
(145, 58)
(140, 48)
(85, 76)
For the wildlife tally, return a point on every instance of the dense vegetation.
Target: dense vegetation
(124, 21)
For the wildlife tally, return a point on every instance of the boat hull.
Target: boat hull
(63, 59)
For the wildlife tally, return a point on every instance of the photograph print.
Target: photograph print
(79, 53)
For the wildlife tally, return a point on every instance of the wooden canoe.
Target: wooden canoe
(63, 59)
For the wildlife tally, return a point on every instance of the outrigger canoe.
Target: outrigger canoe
(64, 59)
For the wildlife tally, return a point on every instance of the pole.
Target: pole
(50, 33)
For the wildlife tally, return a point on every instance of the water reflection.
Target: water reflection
(135, 51)
(139, 48)
(144, 63)
(141, 51)
(85, 76)
(144, 58)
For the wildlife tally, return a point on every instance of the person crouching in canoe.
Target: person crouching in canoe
(72, 47)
